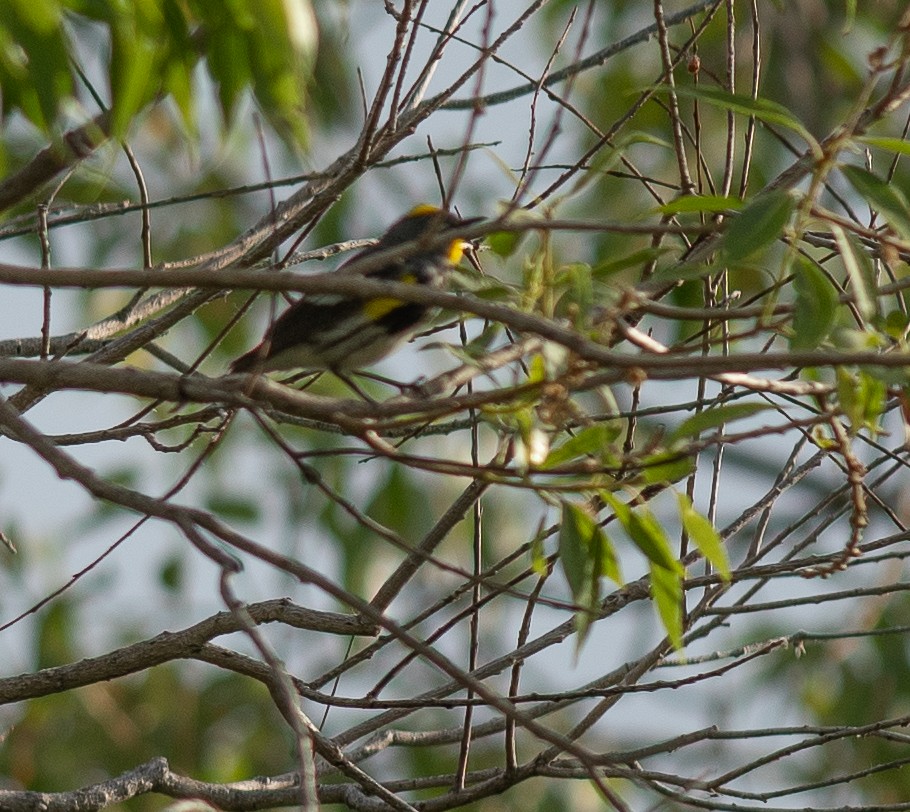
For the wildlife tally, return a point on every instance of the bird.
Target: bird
(328, 331)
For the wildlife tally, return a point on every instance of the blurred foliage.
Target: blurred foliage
(853, 681)
(266, 46)
(214, 726)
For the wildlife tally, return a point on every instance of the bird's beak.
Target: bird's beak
(468, 248)
(470, 252)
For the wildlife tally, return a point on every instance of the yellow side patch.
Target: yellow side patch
(456, 251)
(375, 309)
(423, 208)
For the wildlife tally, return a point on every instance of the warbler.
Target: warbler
(335, 332)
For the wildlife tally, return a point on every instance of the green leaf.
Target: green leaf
(620, 509)
(179, 64)
(895, 324)
(605, 160)
(398, 503)
(849, 16)
(704, 535)
(651, 539)
(575, 533)
(862, 398)
(881, 196)
(280, 49)
(538, 556)
(134, 67)
(693, 426)
(472, 353)
(898, 145)
(35, 73)
(666, 571)
(763, 109)
(816, 306)
(229, 68)
(634, 260)
(586, 555)
(701, 203)
(172, 574)
(577, 559)
(606, 564)
(759, 225)
(40, 17)
(859, 271)
(503, 243)
(594, 441)
(666, 589)
(666, 466)
(234, 507)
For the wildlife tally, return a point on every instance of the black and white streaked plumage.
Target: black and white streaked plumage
(330, 331)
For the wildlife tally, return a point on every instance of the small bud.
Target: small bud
(877, 58)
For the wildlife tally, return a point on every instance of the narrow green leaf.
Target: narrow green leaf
(759, 225)
(634, 260)
(688, 270)
(704, 536)
(621, 510)
(179, 64)
(666, 589)
(178, 82)
(592, 441)
(488, 290)
(647, 534)
(666, 467)
(816, 306)
(575, 534)
(606, 159)
(134, 69)
(606, 564)
(849, 16)
(538, 556)
(651, 539)
(699, 423)
(280, 47)
(40, 59)
(585, 554)
(762, 109)
(881, 196)
(582, 621)
(710, 204)
(859, 271)
(474, 351)
(898, 145)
